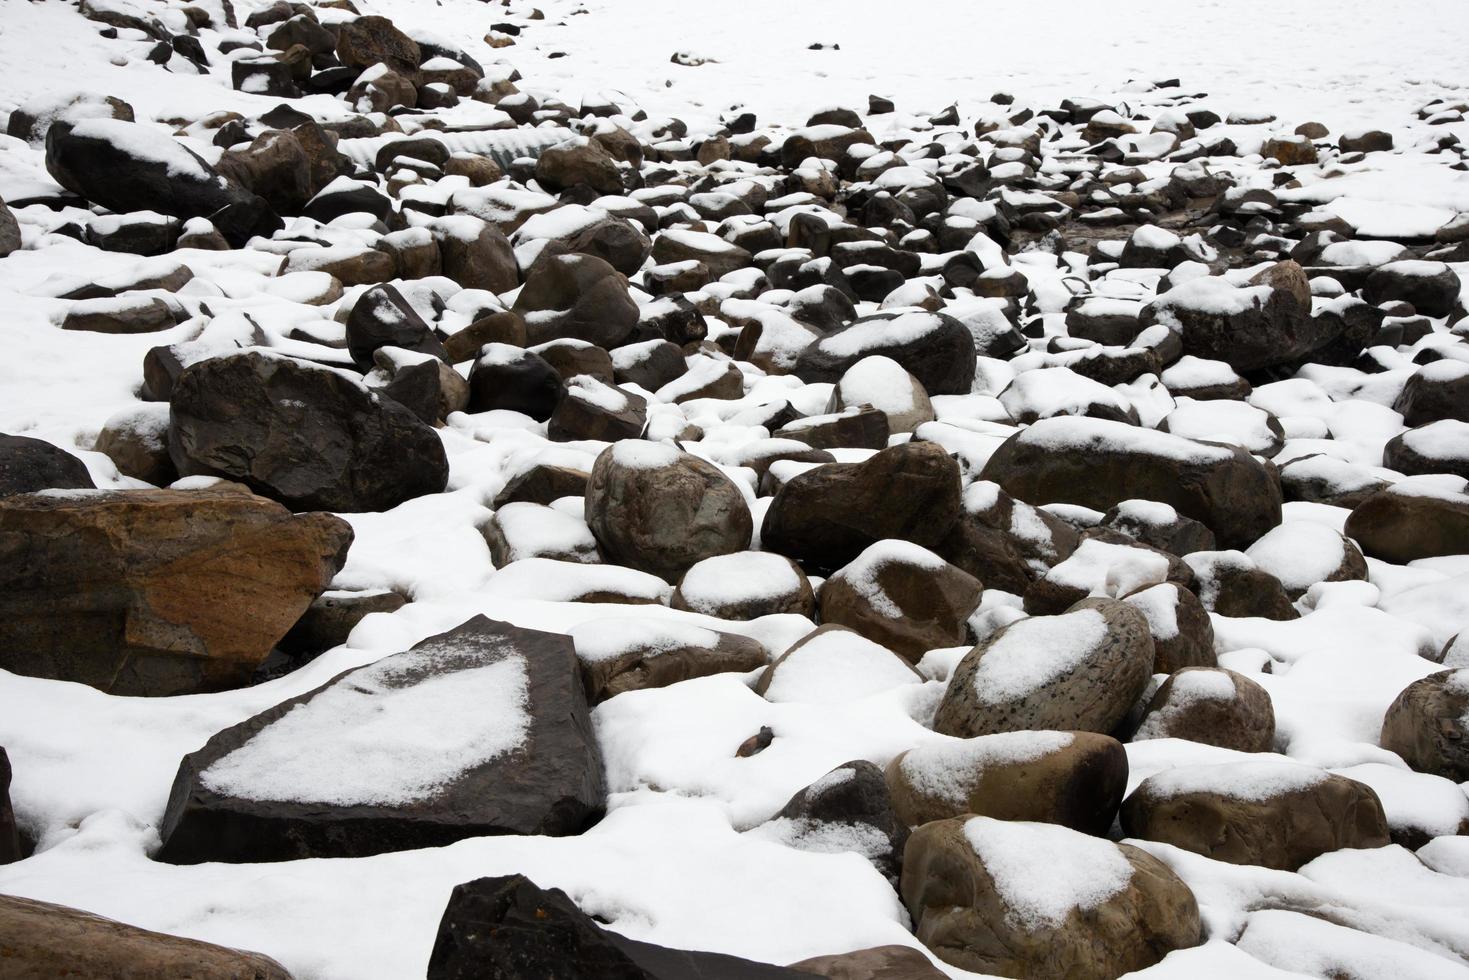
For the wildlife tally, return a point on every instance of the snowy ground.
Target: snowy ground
(672, 862)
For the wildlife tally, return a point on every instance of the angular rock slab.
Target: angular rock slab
(42, 941)
(156, 592)
(481, 730)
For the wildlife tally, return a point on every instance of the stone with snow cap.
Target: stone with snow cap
(903, 596)
(934, 348)
(1037, 901)
(501, 744)
(1079, 671)
(1076, 779)
(590, 409)
(383, 317)
(1435, 392)
(832, 665)
(1183, 634)
(1271, 812)
(635, 654)
(577, 296)
(1409, 521)
(1428, 724)
(847, 810)
(1211, 706)
(656, 508)
(745, 585)
(309, 436)
(1099, 464)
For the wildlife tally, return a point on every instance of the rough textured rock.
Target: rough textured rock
(239, 799)
(1272, 814)
(976, 922)
(1183, 634)
(825, 517)
(1428, 724)
(848, 809)
(1099, 464)
(1212, 706)
(367, 41)
(660, 510)
(310, 437)
(1229, 583)
(511, 929)
(590, 409)
(1076, 779)
(156, 592)
(1399, 525)
(577, 296)
(45, 941)
(1099, 656)
(903, 596)
(28, 465)
(382, 317)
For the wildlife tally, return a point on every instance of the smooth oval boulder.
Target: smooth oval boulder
(655, 508)
(311, 437)
(577, 296)
(1274, 814)
(1080, 671)
(1099, 464)
(1211, 706)
(903, 596)
(1183, 634)
(826, 516)
(1076, 779)
(156, 592)
(44, 941)
(1428, 724)
(503, 744)
(1039, 901)
(1404, 523)
(848, 810)
(633, 654)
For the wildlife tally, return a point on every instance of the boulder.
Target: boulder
(848, 810)
(903, 596)
(660, 510)
(1435, 392)
(543, 483)
(1432, 287)
(475, 253)
(10, 240)
(1211, 706)
(1229, 583)
(745, 585)
(1428, 724)
(881, 383)
(1004, 542)
(826, 516)
(28, 465)
(44, 941)
(1080, 671)
(1435, 447)
(579, 161)
(127, 314)
(528, 530)
(136, 440)
(935, 348)
(511, 929)
(426, 385)
(1183, 634)
(1076, 779)
(590, 409)
(630, 654)
(332, 616)
(367, 41)
(1402, 524)
(832, 665)
(156, 592)
(577, 296)
(1265, 324)
(383, 317)
(127, 166)
(718, 256)
(503, 744)
(1274, 814)
(1038, 901)
(309, 436)
(1099, 464)
(1300, 554)
(513, 379)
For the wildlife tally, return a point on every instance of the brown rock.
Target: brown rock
(975, 922)
(1076, 779)
(501, 327)
(1212, 706)
(877, 963)
(1428, 725)
(903, 596)
(366, 41)
(745, 585)
(45, 941)
(1183, 634)
(1098, 657)
(1272, 814)
(156, 592)
(635, 655)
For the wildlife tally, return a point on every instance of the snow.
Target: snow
(382, 737)
(1081, 435)
(635, 454)
(1299, 553)
(1043, 872)
(1101, 568)
(740, 577)
(1032, 653)
(905, 328)
(600, 640)
(1253, 782)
